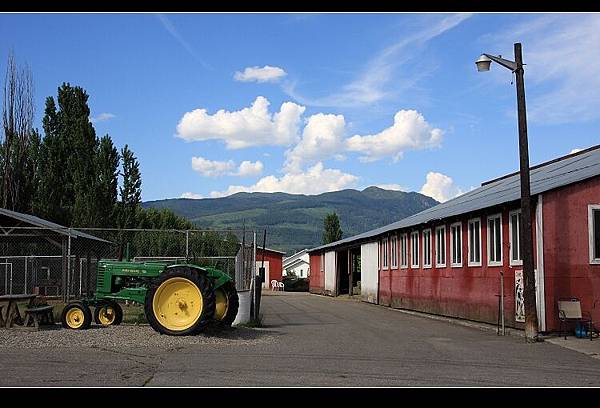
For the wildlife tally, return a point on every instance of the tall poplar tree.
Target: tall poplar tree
(331, 228)
(107, 169)
(131, 190)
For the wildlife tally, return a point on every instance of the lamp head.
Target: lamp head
(483, 63)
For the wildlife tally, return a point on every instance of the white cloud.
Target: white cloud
(410, 131)
(215, 168)
(440, 187)
(264, 74)
(372, 83)
(247, 168)
(394, 187)
(322, 137)
(314, 180)
(577, 150)
(211, 168)
(191, 195)
(252, 126)
(562, 56)
(102, 117)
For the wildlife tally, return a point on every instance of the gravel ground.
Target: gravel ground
(118, 336)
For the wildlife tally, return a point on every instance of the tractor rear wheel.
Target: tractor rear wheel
(108, 313)
(227, 304)
(180, 302)
(77, 316)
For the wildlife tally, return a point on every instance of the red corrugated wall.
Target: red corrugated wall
(566, 249)
(465, 292)
(275, 263)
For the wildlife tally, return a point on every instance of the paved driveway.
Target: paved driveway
(310, 340)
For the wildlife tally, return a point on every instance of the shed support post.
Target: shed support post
(350, 272)
(88, 266)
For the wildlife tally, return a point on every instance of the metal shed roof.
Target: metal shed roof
(42, 223)
(544, 177)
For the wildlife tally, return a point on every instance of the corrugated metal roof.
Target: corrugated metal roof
(544, 177)
(42, 223)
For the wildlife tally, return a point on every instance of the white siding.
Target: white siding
(330, 272)
(369, 274)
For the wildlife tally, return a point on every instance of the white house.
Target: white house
(297, 264)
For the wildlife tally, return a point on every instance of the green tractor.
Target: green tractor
(179, 298)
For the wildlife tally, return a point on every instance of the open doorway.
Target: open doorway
(348, 272)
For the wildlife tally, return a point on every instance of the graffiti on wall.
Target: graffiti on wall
(519, 302)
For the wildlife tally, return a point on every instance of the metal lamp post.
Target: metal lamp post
(483, 64)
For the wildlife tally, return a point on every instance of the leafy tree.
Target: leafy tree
(107, 169)
(18, 135)
(331, 228)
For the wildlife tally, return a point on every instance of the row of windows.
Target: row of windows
(494, 244)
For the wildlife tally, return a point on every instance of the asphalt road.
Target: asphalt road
(309, 340)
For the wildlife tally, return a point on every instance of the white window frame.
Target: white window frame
(489, 241)
(394, 251)
(404, 251)
(510, 238)
(385, 264)
(469, 249)
(592, 238)
(460, 232)
(428, 231)
(322, 262)
(437, 249)
(414, 241)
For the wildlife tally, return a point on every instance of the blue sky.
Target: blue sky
(213, 104)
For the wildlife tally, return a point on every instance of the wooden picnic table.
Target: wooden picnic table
(11, 315)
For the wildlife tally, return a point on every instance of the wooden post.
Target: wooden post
(350, 272)
(531, 321)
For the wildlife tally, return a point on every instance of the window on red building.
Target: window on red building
(456, 244)
(427, 248)
(594, 233)
(494, 240)
(474, 242)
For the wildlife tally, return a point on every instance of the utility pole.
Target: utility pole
(531, 321)
(526, 238)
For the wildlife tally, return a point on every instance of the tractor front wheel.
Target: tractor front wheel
(227, 304)
(180, 302)
(76, 316)
(108, 313)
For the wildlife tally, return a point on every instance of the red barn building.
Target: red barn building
(453, 259)
(273, 262)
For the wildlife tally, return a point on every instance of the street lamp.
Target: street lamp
(483, 64)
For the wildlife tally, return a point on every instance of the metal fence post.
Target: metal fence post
(25, 284)
(187, 244)
(68, 266)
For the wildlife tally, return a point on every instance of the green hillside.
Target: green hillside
(295, 221)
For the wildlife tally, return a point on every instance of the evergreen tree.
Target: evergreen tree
(331, 228)
(107, 169)
(54, 197)
(131, 193)
(68, 175)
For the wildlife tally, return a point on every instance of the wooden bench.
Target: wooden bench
(39, 315)
(569, 310)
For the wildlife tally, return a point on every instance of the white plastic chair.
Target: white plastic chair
(274, 284)
(281, 286)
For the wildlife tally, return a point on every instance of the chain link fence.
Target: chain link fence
(61, 262)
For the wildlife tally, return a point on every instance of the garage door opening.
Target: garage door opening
(348, 272)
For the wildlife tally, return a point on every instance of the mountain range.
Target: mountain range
(295, 221)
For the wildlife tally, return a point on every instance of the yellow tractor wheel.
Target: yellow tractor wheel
(76, 316)
(108, 313)
(227, 304)
(180, 302)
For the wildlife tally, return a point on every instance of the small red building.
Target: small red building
(273, 263)
(454, 258)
